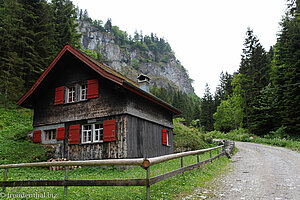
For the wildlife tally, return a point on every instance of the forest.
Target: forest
(262, 96)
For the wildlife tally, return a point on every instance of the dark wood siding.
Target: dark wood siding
(144, 138)
(105, 150)
(111, 100)
(145, 109)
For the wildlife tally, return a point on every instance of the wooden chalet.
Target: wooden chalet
(86, 110)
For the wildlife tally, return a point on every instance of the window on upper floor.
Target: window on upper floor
(71, 94)
(77, 92)
(83, 92)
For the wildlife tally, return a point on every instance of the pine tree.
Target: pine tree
(224, 89)
(207, 110)
(64, 22)
(286, 71)
(38, 50)
(266, 111)
(254, 70)
(11, 42)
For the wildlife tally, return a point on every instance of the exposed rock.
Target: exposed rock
(130, 62)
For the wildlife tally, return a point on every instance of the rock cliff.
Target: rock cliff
(132, 61)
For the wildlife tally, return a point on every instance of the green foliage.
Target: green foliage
(187, 138)
(286, 71)
(31, 33)
(64, 22)
(229, 115)
(269, 83)
(207, 110)
(279, 133)
(188, 104)
(14, 145)
(224, 89)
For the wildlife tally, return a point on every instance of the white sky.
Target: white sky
(206, 36)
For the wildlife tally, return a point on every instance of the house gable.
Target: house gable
(101, 69)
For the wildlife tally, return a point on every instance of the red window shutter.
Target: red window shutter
(74, 133)
(59, 95)
(92, 89)
(109, 130)
(164, 137)
(61, 133)
(37, 136)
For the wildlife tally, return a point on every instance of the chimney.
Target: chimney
(144, 82)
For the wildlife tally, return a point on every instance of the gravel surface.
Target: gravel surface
(257, 172)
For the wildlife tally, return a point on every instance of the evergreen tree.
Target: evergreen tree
(207, 110)
(224, 89)
(254, 70)
(286, 70)
(11, 42)
(64, 23)
(266, 111)
(39, 49)
(108, 25)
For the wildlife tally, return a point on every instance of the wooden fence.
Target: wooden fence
(145, 163)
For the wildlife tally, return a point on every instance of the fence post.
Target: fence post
(4, 179)
(181, 164)
(148, 183)
(210, 155)
(66, 178)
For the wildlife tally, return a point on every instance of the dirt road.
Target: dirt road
(258, 172)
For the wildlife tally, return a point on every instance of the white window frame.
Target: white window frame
(71, 90)
(83, 92)
(87, 131)
(168, 144)
(99, 130)
(93, 132)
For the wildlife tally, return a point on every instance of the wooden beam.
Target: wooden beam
(161, 159)
(162, 177)
(138, 162)
(100, 182)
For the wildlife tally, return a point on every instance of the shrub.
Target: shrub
(187, 138)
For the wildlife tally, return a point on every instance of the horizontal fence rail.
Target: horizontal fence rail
(143, 162)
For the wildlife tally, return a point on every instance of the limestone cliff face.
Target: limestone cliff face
(130, 62)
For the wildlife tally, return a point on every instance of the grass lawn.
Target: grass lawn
(167, 189)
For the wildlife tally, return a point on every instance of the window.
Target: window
(86, 133)
(71, 94)
(168, 138)
(77, 92)
(98, 132)
(83, 92)
(50, 134)
(165, 137)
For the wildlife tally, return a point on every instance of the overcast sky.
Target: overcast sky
(206, 36)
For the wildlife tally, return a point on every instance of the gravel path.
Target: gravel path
(257, 172)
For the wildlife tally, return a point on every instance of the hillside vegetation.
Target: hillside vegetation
(14, 144)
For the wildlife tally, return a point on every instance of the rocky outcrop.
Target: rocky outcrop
(130, 62)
